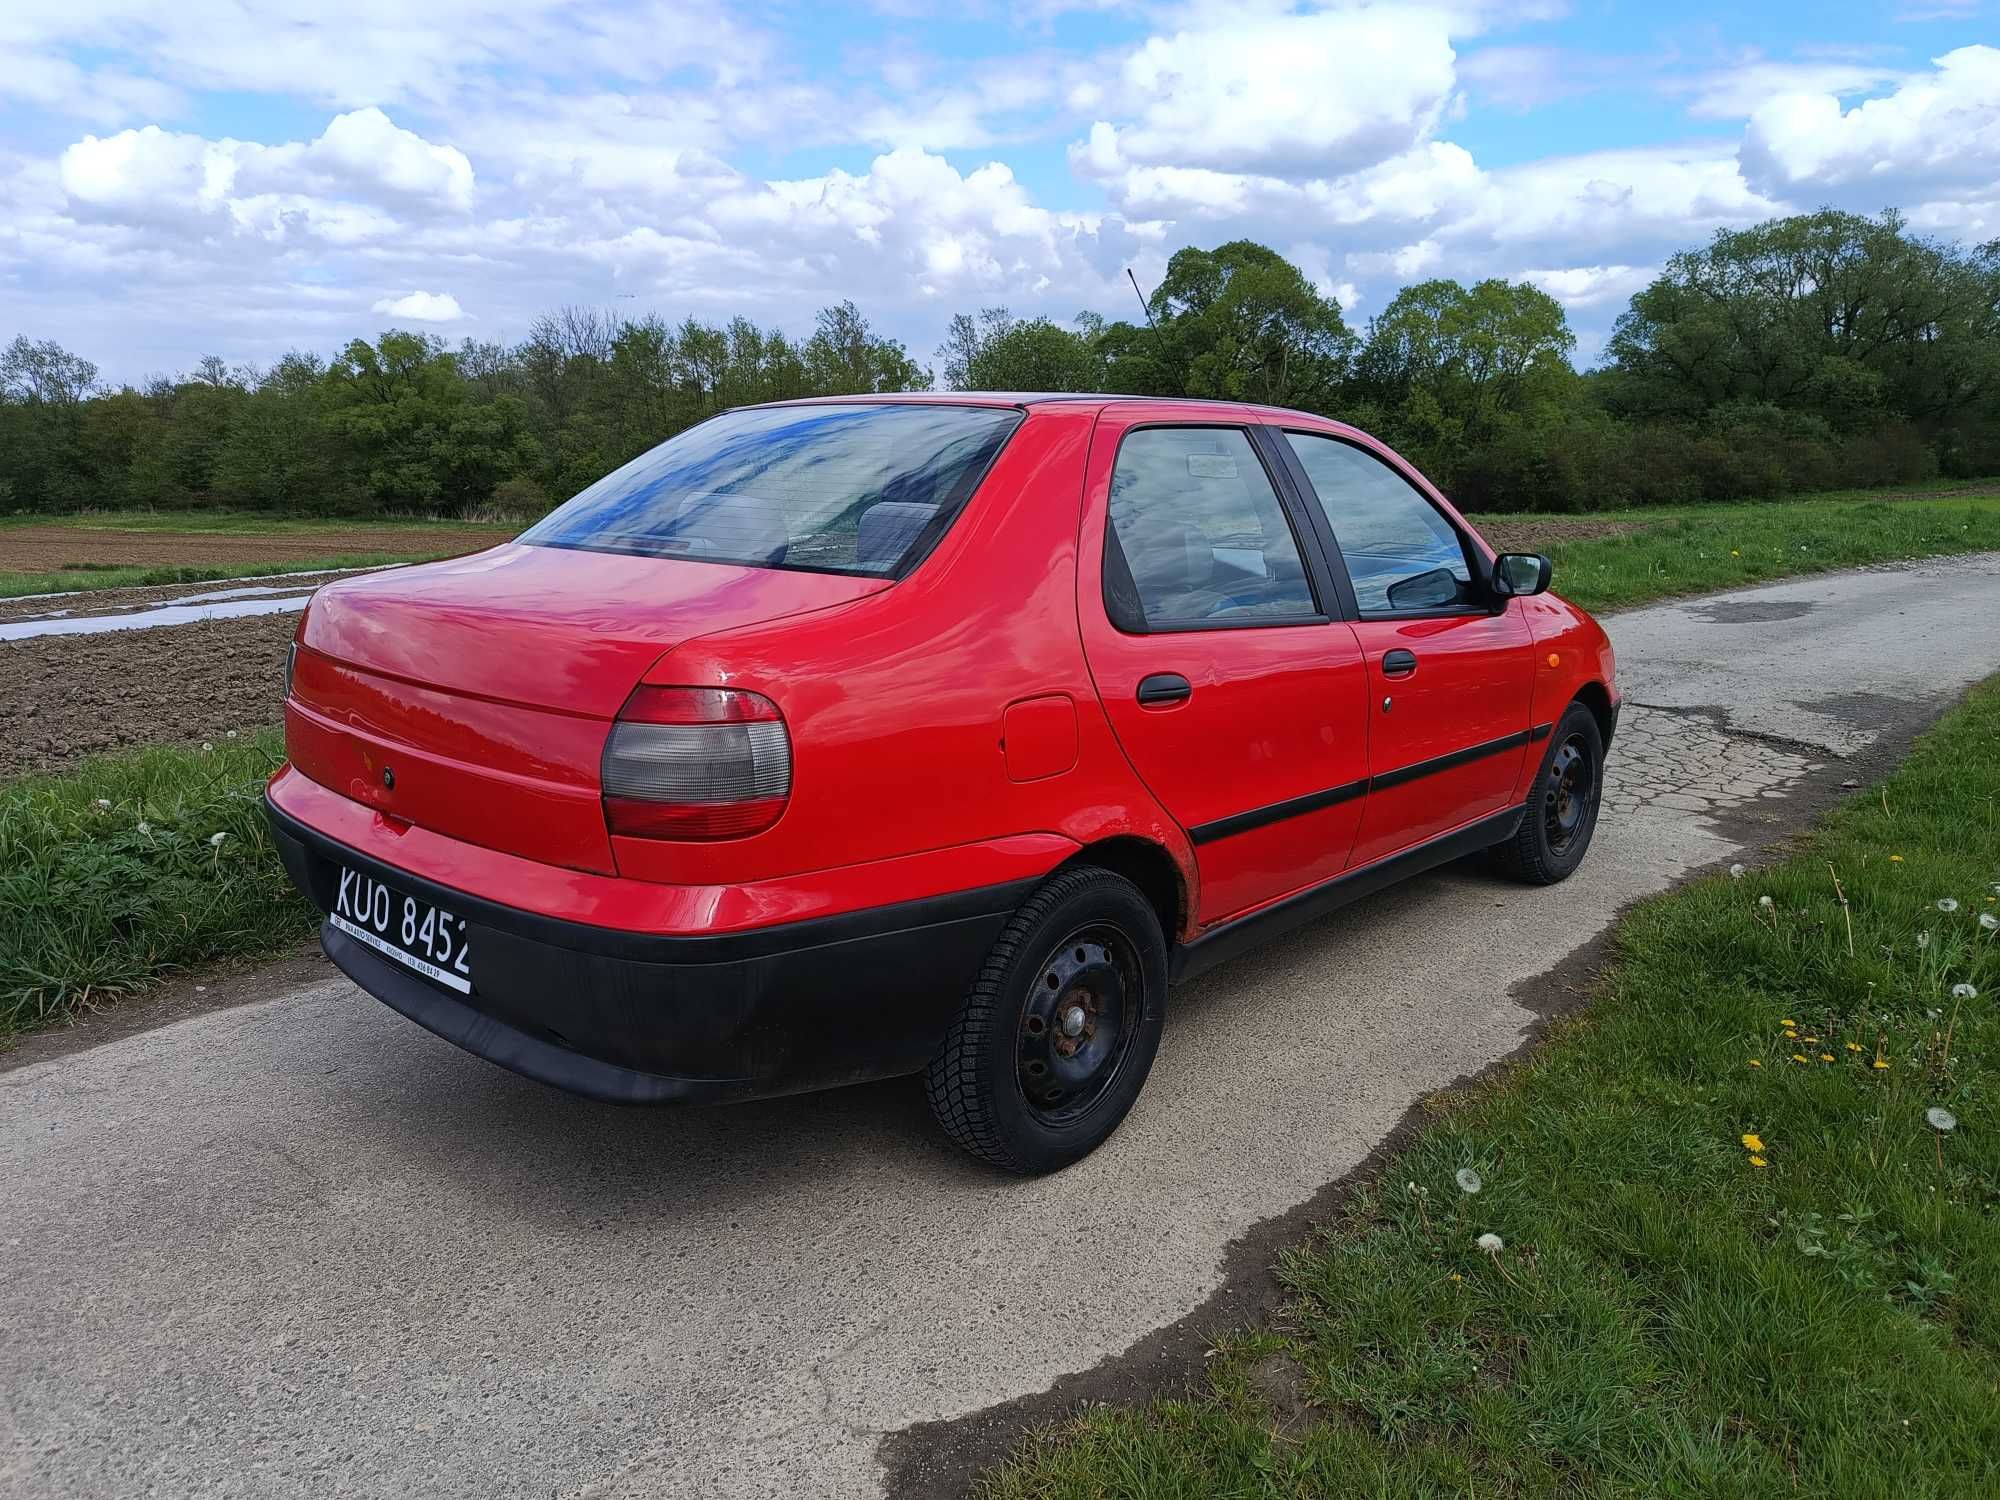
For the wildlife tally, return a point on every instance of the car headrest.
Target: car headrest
(731, 526)
(887, 528)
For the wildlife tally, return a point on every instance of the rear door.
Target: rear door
(1450, 680)
(1235, 691)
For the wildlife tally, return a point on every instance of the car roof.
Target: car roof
(1051, 398)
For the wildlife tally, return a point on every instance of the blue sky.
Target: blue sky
(245, 176)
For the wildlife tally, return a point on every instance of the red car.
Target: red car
(843, 739)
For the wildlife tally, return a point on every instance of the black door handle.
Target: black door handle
(1164, 687)
(1399, 663)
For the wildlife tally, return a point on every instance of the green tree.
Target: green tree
(998, 352)
(1850, 318)
(418, 436)
(1239, 323)
(1453, 367)
(845, 357)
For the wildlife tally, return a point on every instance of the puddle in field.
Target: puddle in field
(220, 605)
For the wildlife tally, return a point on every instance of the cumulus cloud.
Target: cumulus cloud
(423, 307)
(1938, 128)
(1329, 91)
(340, 185)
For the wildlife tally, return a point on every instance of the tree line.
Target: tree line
(1812, 352)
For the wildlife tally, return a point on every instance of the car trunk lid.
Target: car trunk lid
(473, 697)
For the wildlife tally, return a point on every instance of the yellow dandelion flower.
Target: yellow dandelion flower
(1755, 1063)
(1788, 1022)
(1880, 1063)
(1798, 1057)
(1758, 1161)
(1456, 1277)
(1854, 1046)
(1735, 552)
(1753, 1143)
(1826, 1057)
(1895, 859)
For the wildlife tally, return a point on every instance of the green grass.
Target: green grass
(111, 576)
(1666, 1317)
(1699, 549)
(97, 900)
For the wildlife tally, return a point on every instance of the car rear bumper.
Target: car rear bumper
(639, 1018)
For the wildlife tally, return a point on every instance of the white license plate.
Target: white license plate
(414, 933)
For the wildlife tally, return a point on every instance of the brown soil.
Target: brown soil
(45, 549)
(65, 697)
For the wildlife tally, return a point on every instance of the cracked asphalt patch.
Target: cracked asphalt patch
(300, 1245)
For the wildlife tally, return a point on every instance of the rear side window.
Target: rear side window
(1198, 536)
(1401, 553)
(860, 489)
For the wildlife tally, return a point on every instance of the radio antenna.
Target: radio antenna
(1144, 306)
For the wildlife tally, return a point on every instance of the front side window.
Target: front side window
(1198, 536)
(1401, 553)
(832, 489)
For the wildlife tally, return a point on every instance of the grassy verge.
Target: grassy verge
(15, 585)
(1696, 550)
(1735, 1256)
(111, 875)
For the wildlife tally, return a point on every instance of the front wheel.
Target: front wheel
(1055, 1038)
(1562, 809)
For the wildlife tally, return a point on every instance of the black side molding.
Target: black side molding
(1258, 817)
(1437, 763)
(1259, 927)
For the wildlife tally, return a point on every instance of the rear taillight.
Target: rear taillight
(696, 763)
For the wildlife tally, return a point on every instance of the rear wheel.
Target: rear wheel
(1562, 809)
(1058, 1032)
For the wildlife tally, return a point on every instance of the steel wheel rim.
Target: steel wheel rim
(1569, 794)
(1077, 1029)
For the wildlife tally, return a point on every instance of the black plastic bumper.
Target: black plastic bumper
(638, 1018)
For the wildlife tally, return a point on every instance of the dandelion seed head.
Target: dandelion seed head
(1947, 903)
(1964, 992)
(1924, 939)
(1988, 921)
(144, 826)
(103, 802)
(1941, 1119)
(1736, 872)
(216, 839)
(1468, 1180)
(206, 746)
(1491, 1243)
(1766, 902)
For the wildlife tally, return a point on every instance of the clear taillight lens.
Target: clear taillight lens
(696, 763)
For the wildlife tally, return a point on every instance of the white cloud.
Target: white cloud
(423, 307)
(1590, 286)
(1936, 129)
(1328, 92)
(1740, 92)
(340, 186)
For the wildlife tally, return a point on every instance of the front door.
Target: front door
(1450, 680)
(1237, 697)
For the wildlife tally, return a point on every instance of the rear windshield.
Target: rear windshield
(827, 489)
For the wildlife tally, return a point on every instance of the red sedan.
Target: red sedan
(844, 739)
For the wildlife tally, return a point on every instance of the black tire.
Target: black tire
(1562, 807)
(1019, 1081)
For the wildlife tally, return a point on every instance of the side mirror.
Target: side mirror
(1518, 574)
